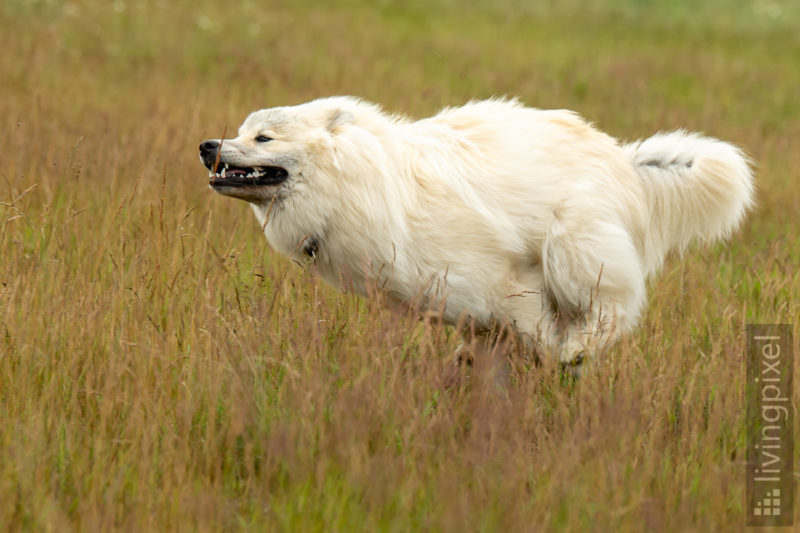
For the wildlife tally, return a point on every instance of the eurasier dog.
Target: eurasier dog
(494, 215)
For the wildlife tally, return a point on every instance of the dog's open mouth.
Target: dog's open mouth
(232, 176)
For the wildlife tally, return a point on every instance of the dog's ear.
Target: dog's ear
(339, 118)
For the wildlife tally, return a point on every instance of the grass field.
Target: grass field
(162, 369)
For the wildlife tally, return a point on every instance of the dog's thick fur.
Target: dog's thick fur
(492, 212)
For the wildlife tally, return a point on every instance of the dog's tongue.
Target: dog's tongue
(231, 173)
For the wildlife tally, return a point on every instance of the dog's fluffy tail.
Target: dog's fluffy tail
(696, 188)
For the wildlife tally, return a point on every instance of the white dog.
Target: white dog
(493, 214)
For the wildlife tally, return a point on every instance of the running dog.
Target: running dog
(492, 214)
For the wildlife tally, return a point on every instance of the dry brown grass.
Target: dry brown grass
(160, 368)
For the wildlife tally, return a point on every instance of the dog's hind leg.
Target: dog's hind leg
(594, 282)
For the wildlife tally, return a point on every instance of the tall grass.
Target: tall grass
(161, 368)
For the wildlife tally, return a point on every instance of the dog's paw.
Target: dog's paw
(574, 350)
(576, 366)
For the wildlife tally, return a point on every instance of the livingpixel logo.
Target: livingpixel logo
(770, 423)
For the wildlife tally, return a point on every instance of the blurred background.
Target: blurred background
(160, 368)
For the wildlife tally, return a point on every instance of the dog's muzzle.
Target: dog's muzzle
(222, 174)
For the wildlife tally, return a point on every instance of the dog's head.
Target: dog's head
(275, 149)
(316, 177)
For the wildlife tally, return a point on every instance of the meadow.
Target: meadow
(162, 369)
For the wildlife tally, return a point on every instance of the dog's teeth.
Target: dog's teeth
(226, 166)
(223, 171)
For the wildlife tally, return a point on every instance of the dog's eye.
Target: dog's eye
(263, 139)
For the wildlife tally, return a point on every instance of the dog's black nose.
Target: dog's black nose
(208, 152)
